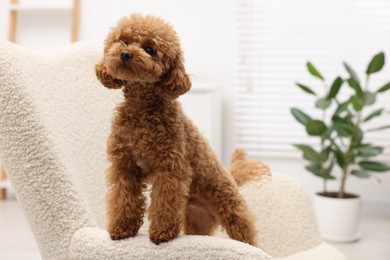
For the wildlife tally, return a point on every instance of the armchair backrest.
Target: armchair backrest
(54, 120)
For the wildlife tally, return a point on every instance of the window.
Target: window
(276, 39)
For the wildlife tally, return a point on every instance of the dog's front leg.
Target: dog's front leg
(168, 201)
(125, 200)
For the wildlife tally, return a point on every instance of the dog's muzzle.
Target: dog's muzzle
(126, 56)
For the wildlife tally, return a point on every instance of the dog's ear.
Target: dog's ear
(174, 82)
(107, 80)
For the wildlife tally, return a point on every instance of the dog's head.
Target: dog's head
(144, 51)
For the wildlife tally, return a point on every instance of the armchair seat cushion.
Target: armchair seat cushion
(95, 244)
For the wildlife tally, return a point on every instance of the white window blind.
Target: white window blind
(276, 39)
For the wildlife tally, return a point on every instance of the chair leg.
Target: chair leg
(12, 23)
(3, 177)
(75, 20)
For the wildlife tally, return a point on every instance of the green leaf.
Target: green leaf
(378, 128)
(313, 71)
(384, 88)
(313, 167)
(376, 64)
(328, 133)
(315, 127)
(368, 151)
(342, 126)
(356, 103)
(334, 89)
(324, 155)
(341, 108)
(300, 116)
(373, 114)
(374, 166)
(306, 89)
(352, 73)
(324, 175)
(340, 158)
(308, 152)
(349, 157)
(323, 103)
(360, 173)
(369, 98)
(356, 86)
(357, 135)
(316, 169)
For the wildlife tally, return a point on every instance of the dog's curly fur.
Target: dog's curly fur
(152, 141)
(200, 216)
(244, 170)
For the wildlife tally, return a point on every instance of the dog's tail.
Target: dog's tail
(244, 170)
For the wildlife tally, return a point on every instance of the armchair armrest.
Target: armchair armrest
(285, 220)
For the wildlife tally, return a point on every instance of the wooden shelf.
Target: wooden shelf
(70, 5)
(41, 7)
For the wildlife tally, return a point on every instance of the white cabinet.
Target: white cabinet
(203, 104)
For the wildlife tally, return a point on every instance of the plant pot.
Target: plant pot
(338, 218)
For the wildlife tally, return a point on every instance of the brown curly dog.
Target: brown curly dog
(152, 141)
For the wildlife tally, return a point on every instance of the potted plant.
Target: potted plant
(342, 149)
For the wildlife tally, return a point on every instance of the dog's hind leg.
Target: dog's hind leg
(233, 214)
(199, 217)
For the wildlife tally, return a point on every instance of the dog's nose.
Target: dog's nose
(126, 56)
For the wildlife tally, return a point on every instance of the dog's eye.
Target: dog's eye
(149, 50)
(124, 42)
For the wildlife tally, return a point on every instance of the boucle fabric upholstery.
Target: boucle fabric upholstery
(54, 122)
(185, 247)
(285, 220)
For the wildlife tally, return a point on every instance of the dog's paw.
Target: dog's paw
(158, 236)
(118, 233)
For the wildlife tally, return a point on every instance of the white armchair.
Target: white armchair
(54, 121)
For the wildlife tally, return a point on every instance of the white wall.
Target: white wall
(209, 39)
